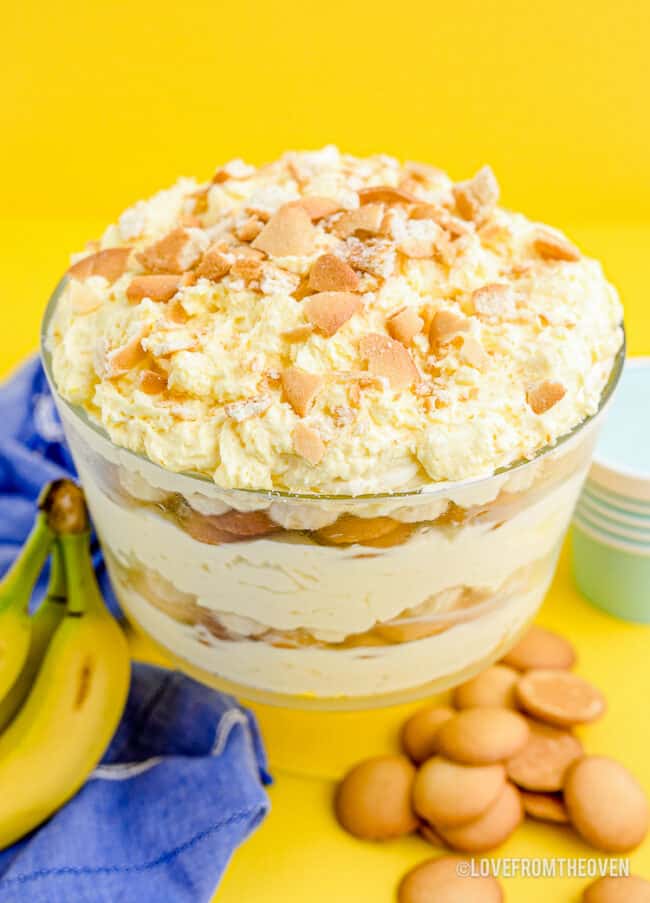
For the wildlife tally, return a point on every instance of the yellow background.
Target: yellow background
(103, 103)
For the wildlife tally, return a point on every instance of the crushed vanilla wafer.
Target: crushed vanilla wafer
(308, 444)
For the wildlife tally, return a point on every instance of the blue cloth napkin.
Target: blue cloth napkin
(177, 791)
(32, 452)
(181, 785)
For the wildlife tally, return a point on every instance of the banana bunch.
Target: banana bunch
(64, 671)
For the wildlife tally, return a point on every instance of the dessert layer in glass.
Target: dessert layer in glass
(329, 601)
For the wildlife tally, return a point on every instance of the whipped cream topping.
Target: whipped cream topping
(332, 324)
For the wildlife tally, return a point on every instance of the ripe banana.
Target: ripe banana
(43, 624)
(15, 592)
(74, 707)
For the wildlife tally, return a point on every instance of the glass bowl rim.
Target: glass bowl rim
(428, 490)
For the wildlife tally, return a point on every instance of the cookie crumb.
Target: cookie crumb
(544, 396)
(300, 388)
(308, 444)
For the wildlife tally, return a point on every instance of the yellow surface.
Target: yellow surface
(103, 103)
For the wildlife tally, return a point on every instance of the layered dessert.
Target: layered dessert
(332, 416)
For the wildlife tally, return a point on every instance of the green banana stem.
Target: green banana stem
(43, 625)
(62, 510)
(81, 583)
(56, 588)
(17, 585)
(63, 504)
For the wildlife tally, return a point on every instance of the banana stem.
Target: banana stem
(56, 588)
(17, 584)
(79, 573)
(64, 505)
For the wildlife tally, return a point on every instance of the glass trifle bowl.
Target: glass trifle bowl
(330, 601)
(318, 598)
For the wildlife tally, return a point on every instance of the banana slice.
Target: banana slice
(396, 537)
(407, 633)
(349, 529)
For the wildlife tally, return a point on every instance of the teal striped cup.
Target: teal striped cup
(611, 525)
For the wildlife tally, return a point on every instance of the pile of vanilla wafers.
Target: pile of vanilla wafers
(505, 750)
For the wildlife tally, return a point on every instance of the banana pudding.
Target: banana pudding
(332, 415)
